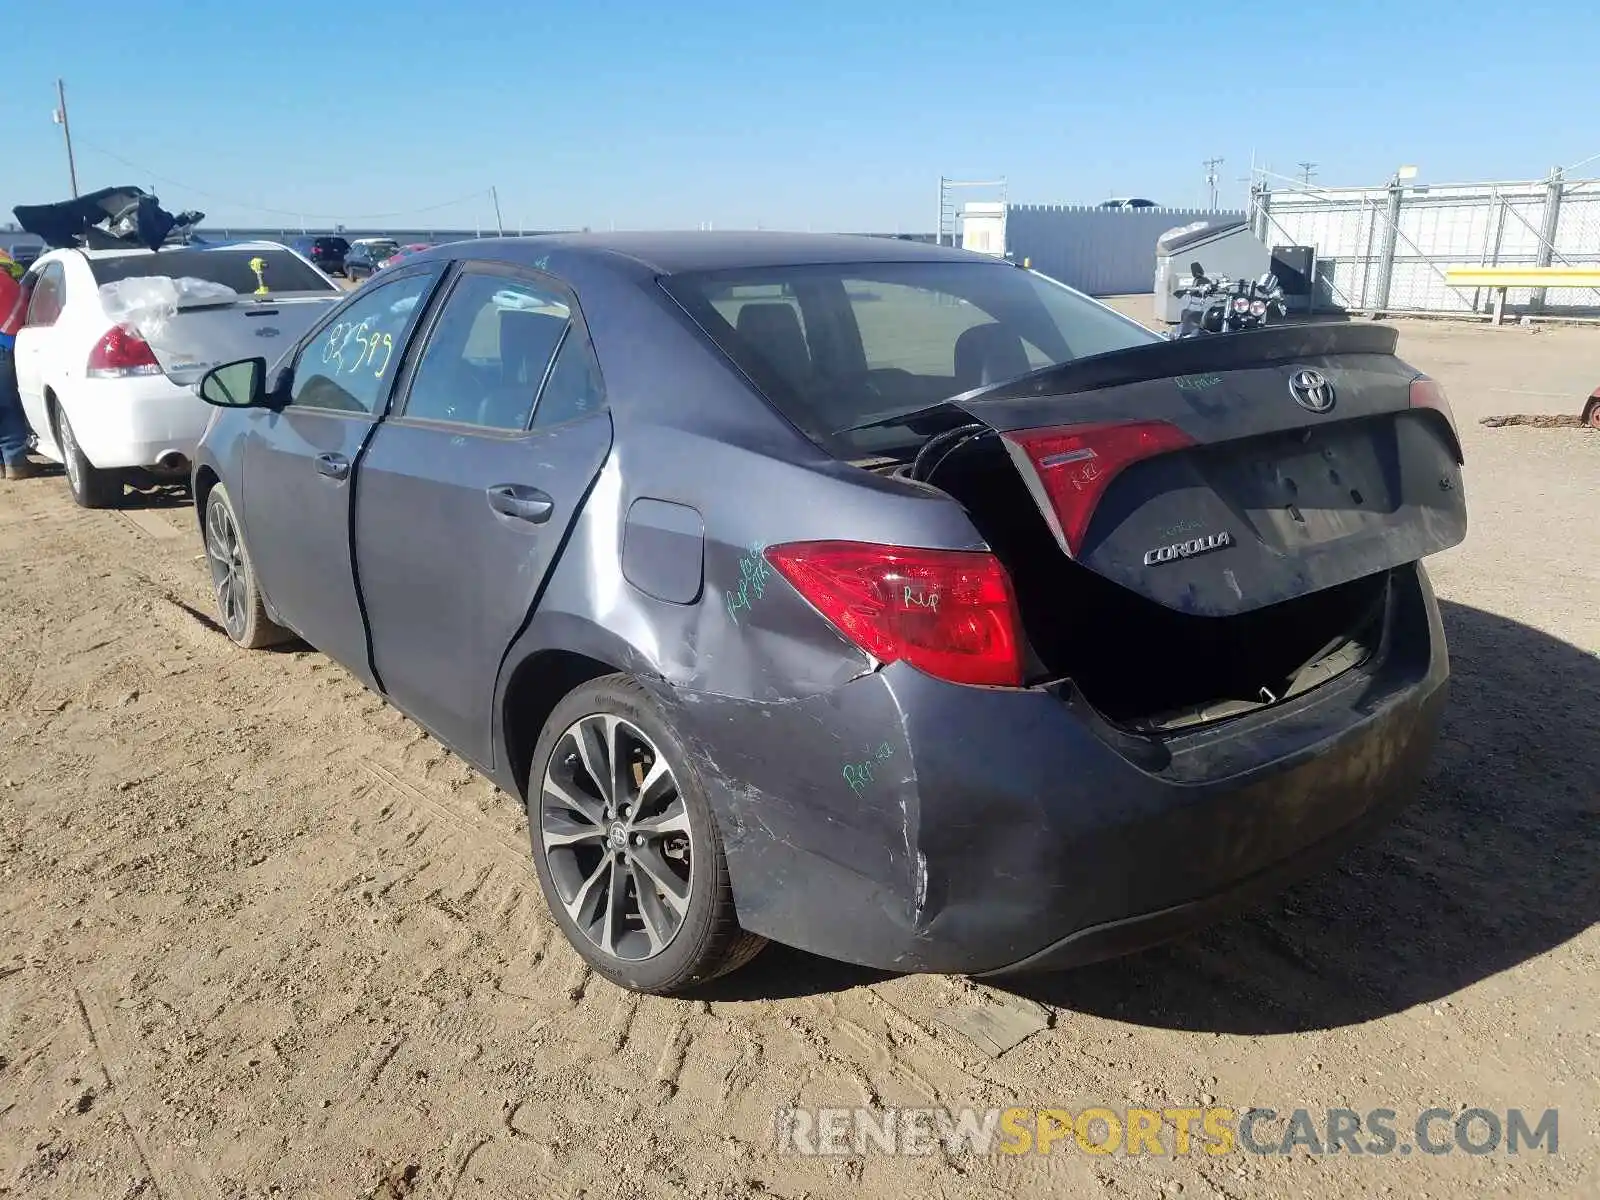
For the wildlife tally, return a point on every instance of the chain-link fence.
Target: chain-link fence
(1387, 249)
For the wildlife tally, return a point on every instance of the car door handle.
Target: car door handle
(334, 466)
(523, 503)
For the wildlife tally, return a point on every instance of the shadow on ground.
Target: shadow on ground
(1493, 866)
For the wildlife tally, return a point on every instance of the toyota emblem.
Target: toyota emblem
(1311, 391)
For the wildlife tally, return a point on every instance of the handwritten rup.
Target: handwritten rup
(754, 571)
(858, 774)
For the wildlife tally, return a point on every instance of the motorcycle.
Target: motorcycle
(1253, 303)
(1222, 305)
(1205, 307)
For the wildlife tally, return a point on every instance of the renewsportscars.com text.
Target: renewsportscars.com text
(1163, 1131)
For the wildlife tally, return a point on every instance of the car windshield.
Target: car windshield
(837, 346)
(281, 272)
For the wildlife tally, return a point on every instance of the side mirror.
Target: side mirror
(239, 384)
(1197, 270)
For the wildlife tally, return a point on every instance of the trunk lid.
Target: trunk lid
(192, 326)
(202, 337)
(1219, 475)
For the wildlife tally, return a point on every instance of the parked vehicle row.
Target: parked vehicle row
(881, 599)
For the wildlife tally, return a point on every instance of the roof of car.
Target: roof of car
(671, 253)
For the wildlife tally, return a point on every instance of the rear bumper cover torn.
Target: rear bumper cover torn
(908, 824)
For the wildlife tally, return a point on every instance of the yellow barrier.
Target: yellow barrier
(1501, 278)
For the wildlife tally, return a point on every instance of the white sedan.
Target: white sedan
(108, 404)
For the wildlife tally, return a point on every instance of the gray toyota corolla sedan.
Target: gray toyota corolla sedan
(881, 599)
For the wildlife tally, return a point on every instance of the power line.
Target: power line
(1307, 170)
(281, 212)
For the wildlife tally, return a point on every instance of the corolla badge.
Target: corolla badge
(1311, 390)
(1188, 549)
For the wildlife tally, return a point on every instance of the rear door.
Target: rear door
(38, 340)
(300, 465)
(468, 490)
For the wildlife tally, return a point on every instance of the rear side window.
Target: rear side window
(489, 353)
(573, 389)
(834, 346)
(281, 271)
(49, 296)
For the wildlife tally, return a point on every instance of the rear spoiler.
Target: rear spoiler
(1174, 359)
(1193, 356)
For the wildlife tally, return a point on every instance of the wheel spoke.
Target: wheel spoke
(674, 891)
(217, 535)
(573, 800)
(657, 785)
(559, 829)
(590, 894)
(674, 818)
(616, 908)
(659, 924)
(595, 741)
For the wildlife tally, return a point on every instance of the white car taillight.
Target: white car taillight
(120, 354)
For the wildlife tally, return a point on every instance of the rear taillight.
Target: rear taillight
(1426, 393)
(950, 613)
(120, 353)
(1076, 463)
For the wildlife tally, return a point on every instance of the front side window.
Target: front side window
(489, 353)
(349, 364)
(834, 346)
(49, 296)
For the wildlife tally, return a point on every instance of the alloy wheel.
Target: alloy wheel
(69, 452)
(614, 831)
(225, 557)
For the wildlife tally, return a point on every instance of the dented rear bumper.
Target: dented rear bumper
(909, 824)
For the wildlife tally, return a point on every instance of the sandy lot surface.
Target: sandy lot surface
(261, 936)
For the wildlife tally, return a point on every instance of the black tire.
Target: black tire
(707, 941)
(91, 487)
(240, 610)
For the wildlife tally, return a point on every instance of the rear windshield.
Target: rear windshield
(282, 272)
(835, 346)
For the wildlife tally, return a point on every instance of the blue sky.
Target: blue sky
(826, 115)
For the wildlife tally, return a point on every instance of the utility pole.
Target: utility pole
(499, 225)
(1211, 179)
(60, 118)
(1307, 170)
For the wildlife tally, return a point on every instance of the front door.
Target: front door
(468, 489)
(300, 466)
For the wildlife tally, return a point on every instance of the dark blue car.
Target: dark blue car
(878, 598)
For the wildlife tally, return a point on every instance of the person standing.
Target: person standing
(14, 431)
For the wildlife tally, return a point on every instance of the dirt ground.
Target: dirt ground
(261, 936)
